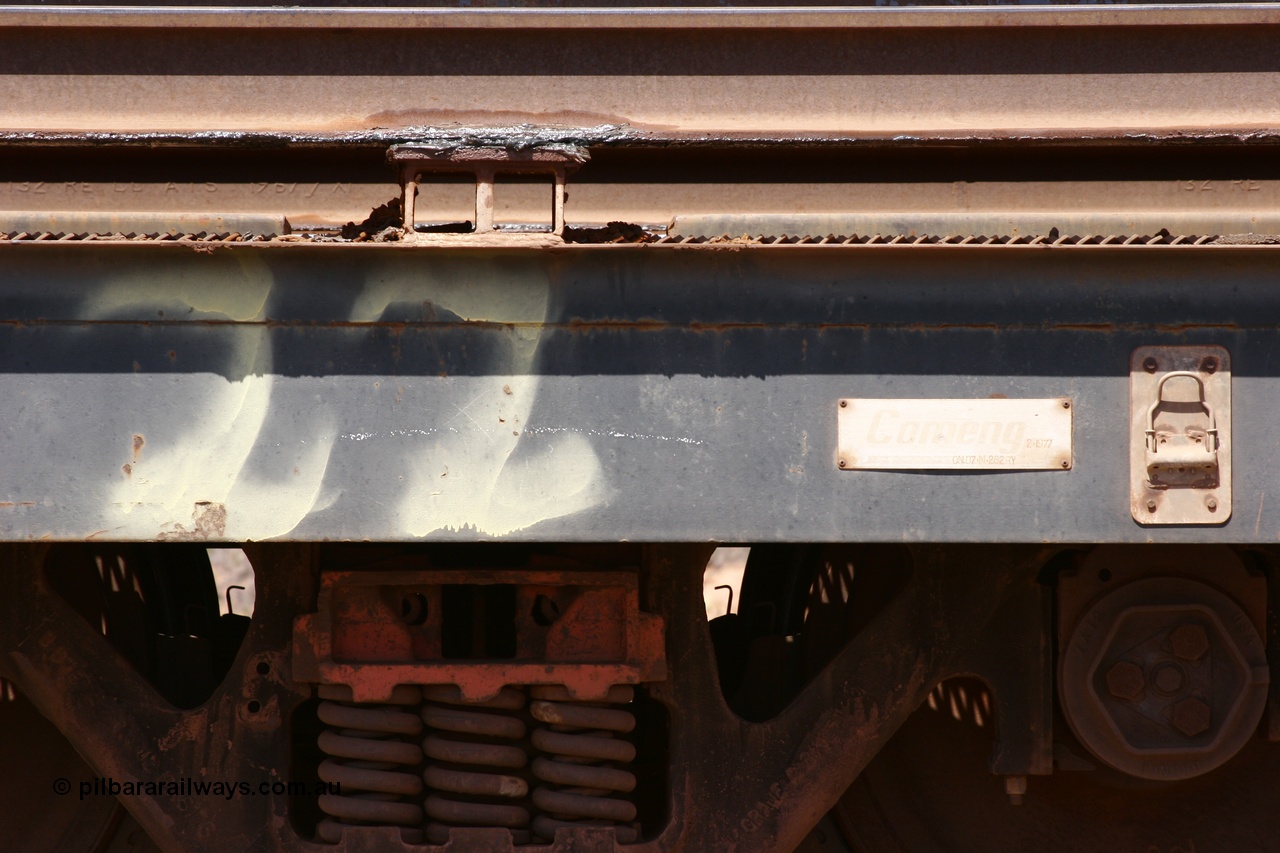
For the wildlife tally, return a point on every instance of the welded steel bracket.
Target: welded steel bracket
(375, 630)
(1180, 435)
(486, 165)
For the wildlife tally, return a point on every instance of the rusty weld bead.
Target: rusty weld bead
(1125, 680)
(1189, 641)
(1191, 717)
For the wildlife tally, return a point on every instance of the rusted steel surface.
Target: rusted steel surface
(761, 73)
(1165, 676)
(419, 664)
(139, 222)
(928, 785)
(488, 166)
(605, 237)
(754, 784)
(716, 186)
(732, 785)
(581, 630)
(75, 678)
(812, 205)
(971, 223)
(733, 189)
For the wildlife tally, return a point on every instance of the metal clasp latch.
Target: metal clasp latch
(1186, 457)
(1180, 454)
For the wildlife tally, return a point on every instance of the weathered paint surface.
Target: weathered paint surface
(465, 466)
(644, 393)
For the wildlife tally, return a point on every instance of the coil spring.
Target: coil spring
(367, 753)
(468, 774)
(582, 778)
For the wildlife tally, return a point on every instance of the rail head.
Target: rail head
(352, 76)
(663, 18)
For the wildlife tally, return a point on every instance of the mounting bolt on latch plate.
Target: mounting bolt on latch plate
(1180, 435)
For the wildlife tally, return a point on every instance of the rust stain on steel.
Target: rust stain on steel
(1178, 328)
(579, 325)
(189, 729)
(948, 327)
(138, 442)
(12, 504)
(723, 327)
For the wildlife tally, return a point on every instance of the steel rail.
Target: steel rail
(622, 135)
(725, 244)
(1198, 15)
(108, 74)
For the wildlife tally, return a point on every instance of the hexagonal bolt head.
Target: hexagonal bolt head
(1189, 641)
(1125, 680)
(1191, 717)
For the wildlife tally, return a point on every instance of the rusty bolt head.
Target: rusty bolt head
(1189, 641)
(1191, 717)
(1209, 364)
(1149, 364)
(1125, 680)
(1151, 505)
(1211, 503)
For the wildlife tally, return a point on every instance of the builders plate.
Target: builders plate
(983, 434)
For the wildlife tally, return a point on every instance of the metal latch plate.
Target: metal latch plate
(993, 434)
(1180, 435)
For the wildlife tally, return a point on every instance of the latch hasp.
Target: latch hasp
(1180, 435)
